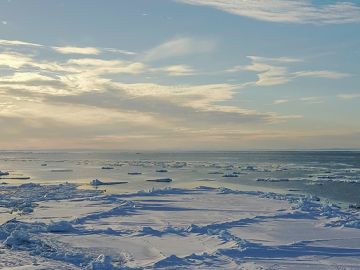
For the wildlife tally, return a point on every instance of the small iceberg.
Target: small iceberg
(250, 168)
(16, 178)
(97, 182)
(3, 173)
(60, 227)
(355, 206)
(216, 172)
(162, 170)
(30, 185)
(61, 170)
(206, 180)
(272, 180)
(231, 175)
(107, 168)
(160, 180)
(101, 263)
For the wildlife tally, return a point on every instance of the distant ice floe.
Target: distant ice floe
(61, 170)
(341, 175)
(216, 172)
(160, 180)
(162, 171)
(159, 164)
(272, 179)
(97, 182)
(107, 168)
(12, 176)
(231, 175)
(3, 173)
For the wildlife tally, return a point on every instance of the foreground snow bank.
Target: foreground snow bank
(23, 198)
(212, 228)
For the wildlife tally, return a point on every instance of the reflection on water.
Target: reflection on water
(334, 175)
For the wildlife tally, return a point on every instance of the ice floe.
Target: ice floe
(160, 180)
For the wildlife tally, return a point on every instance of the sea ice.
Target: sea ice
(212, 228)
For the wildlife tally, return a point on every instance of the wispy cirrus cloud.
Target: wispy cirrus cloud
(281, 59)
(113, 50)
(90, 50)
(5, 42)
(65, 49)
(270, 70)
(280, 101)
(101, 66)
(14, 59)
(349, 96)
(176, 70)
(288, 11)
(268, 74)
(328, 74)
(306, 100)
(77, 50)
(312, 100)
(274, 71)
(179, 47)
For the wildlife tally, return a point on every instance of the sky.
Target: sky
(179, 74)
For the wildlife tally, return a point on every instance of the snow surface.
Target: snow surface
(62, 227)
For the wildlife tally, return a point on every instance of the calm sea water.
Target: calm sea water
(331, 175)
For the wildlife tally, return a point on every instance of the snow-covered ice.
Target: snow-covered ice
(62, 227)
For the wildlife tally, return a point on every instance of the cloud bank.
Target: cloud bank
(288, 11)
(110, 101)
